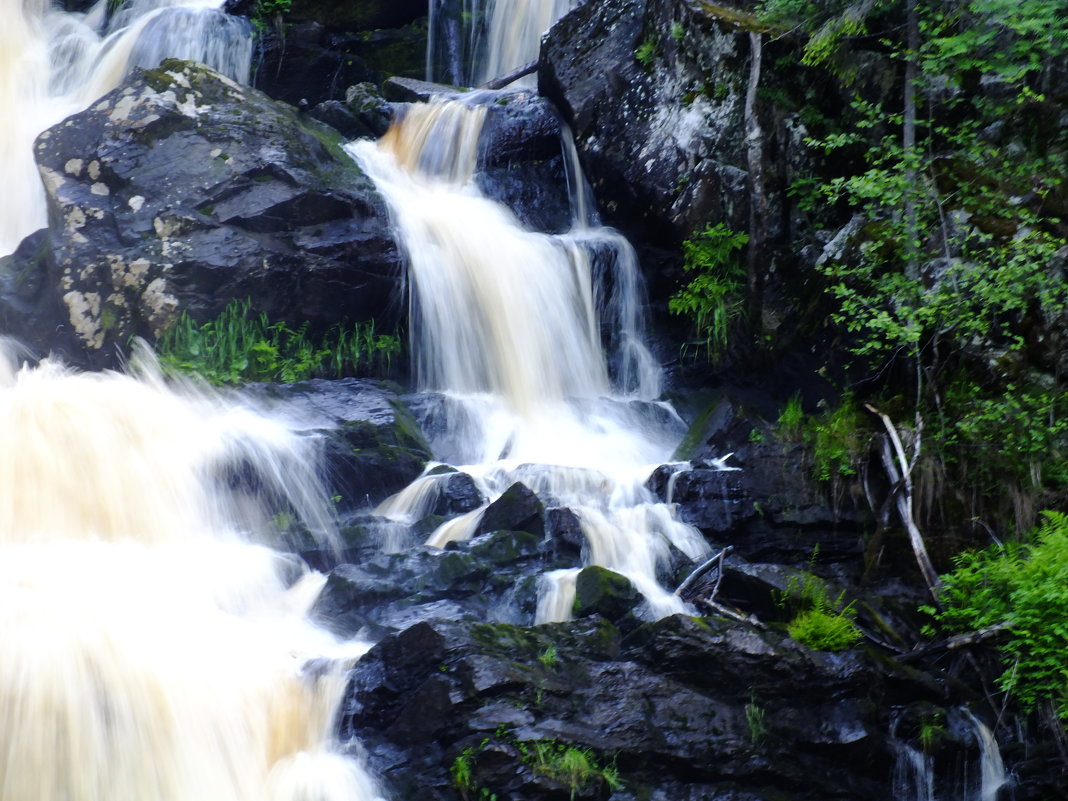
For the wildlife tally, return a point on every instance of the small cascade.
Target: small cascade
(474, 41)
(55, 63)
(155, 647)
(913, 778)
(992, 776)
(507, 323)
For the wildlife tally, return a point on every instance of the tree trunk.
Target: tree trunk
(908, 139)
(758, 202)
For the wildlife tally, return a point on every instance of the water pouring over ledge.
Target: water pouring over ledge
(155, 647)
(507, 324)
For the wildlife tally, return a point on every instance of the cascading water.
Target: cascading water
(474, 41)
(507, 324)
(152, 650)
(54, 63)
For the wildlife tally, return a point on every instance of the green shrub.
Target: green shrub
(1023, 587)
(239, 346)
(712, 299)
(821, 623)
(790, 419)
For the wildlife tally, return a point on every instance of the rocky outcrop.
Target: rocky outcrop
(684, 708)
(651, 89)
(180, 191)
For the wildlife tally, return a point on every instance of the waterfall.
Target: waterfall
(154, 646)
(992, 776)
(507, 323)
(474, 41)
(55, 63)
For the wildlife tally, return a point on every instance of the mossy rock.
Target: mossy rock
(600, 591)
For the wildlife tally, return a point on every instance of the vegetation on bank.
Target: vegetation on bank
(240, 346)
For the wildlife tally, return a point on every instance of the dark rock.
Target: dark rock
(363, 16)
(457, 494)
(489, 578)
(372, 445)
(181, 190)
(518, 509)
(564, 529)
(412, 90)
(682, 703)
(521, 161)
(662, 141)
(600, 591)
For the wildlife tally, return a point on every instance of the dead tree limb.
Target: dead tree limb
(514, 75)
(956, 642)
(691, 586)
(899, 471)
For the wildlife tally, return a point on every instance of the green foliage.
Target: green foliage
(548, 657)
(932, 729)
(270, 8)
(755, 719)
(461, 772)
(575, 768)
(1024, 587)
(646, 52)
(839, 441)
(239, 346)
(789, 423)
(578, 769)
(822, 623)
(712, 299)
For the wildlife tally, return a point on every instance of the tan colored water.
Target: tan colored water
(151, 649)
(507, 322)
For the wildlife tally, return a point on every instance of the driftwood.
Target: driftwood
(899, 471)
(699, 584)
(514, 75)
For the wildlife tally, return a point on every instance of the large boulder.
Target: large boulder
(181, 190)
(652, 91)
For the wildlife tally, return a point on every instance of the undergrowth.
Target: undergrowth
(239, 346)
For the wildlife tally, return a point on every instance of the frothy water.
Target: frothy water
(507, 323)
(55, 63)
(154, 647)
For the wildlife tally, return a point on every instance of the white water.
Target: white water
(992, 776)
(487, 39)
(152, 649)
(507, 323)
(55, 63)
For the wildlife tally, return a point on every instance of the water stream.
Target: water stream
(155, 646)
(507, 323)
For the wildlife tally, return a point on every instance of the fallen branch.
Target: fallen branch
(899, 472)
(689, 590)
(956, 642)
(514, 75)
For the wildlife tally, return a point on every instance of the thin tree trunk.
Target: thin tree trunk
(758, 202)
(899, 471)
(908, 138)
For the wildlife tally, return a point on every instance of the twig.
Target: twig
(705, 567)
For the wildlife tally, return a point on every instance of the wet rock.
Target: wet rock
(458, 494)
(600, 591)
(489, 578)
(661, 136)
(181, 190)
(681, 703)
(518, 509)
(372, 446)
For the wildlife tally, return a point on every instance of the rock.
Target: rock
(680, 704)
(518, 509)
(489, 578)
(458, 494)
(600, 591)
(181, 190)
(661, 136)
(400, 89)
(372, 446)
(521, 161)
